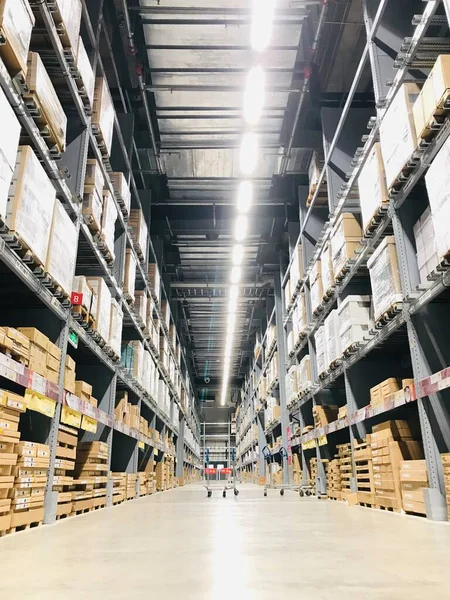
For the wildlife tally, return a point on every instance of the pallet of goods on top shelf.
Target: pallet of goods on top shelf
(432, 106)
(385, 280)
(16, 25)
(103, 117)
(373, 191)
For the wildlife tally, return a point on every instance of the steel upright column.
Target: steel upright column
(282, 374)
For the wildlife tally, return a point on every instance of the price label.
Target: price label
(88, 424)
(322, 440)
(40, 403)
(141, 445)
(309, 444)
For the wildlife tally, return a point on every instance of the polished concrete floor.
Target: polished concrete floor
(181, 545)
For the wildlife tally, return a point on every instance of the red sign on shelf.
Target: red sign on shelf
(226, 471)
(76, 299)
(210, 471)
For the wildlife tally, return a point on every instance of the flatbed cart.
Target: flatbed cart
(302, 489)
(227, 486)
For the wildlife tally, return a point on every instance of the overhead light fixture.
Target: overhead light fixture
(238, 254)
(262, 20)
(240, 231)
(236, 273)
(249, 153)
(254, 95)
(245, 196)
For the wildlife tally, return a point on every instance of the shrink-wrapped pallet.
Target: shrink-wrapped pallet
(121, 186)
(398, 137)
(385, 277)
(44, 95)
(332, 337)
(373, 192)
(115, 327)
(437, 181)
(424, 235)
(316, 285)
(16, 24)
(345, 239)
(103, 113)
(109, 218)
(129, 281)
(30, 203)
(326, 265)
(103, 309)
(62, 249)
(86, 72)
(67, 15)
(321, 350)
(9, 143)
(355, 320)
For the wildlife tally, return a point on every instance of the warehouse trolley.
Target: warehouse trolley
(230, 485)
(302, 489)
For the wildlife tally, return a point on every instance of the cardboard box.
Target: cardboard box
(30, 203)
(16, 22)
(398, 138)
(83, 389)
(385, 277)
(70, 363)
(103, 310)
(424, 235)
(432, 96)
(86, 72)
(81, 286)
(62, 249)
(321, 350)
(54, 351)
(415, 507)
(373, 192)
(103, 112)
(115, 327)
(121, 187)
(109, 218)
(140, 230)
(345, 239)
(9, 144)
(154, 280)
(34, 335)
(44, 94)
(316, 286)
(130, 274)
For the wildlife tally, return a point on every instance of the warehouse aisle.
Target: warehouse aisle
(182, 545)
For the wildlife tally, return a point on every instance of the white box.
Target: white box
(103, 112)
(109, 218)
(326, 265)
(398, 132)
(301, 313)
(103, 312)
(62, 248)
(385, 277)
(437, 181)
(70, 15)
(9, 143)
(115, 327)
(316, 285)
(129, 281)
(140, 304)
(355, 320)
(292, 383)
(304, 374)
(373, 192)
(86, 72)
(321, 350)
(332, 336)
(424, 234)
(30, 203)
(17, 21)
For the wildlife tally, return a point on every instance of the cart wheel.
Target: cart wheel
(265, 493)
(281, 492)
(224, 494)
(308, 493)
(209, 493)
(236, 492)
(301, 493)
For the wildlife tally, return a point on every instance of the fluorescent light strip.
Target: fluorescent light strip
(254, 95)
(262, 20)
(249, 153)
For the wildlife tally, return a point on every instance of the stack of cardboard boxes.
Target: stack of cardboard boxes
(345, 239)
(385, 278)
(324, 414)
(125, 412)
(31, 472)
(334, 485)
(131, 486)
(66, 451)
(91, 475)
(69, 375)
(15, 344)
(345, 468)
(391, 442)
(413, 480)
(11, 406)
(84, 391)
(355, 320)
(296, 469)
(362, 455)
(119, 487)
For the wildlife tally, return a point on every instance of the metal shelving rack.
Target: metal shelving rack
(417, 335)
(127, 447)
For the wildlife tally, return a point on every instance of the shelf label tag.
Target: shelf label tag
(76, 298)
(88, 424)
(40, 403)
(70, 417)
(141, 445)
(322, 440)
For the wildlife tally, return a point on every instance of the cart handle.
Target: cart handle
(266, 452)
(283, 452)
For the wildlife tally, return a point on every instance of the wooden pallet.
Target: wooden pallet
(437, 119)
(103, 249)
(24, 527)
(322, 197)
(101, 145)
(389, 314)
(55, 145)
(14, 354)
(84, 318)
(376, 219)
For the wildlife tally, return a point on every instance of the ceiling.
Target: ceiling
(197, 56)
